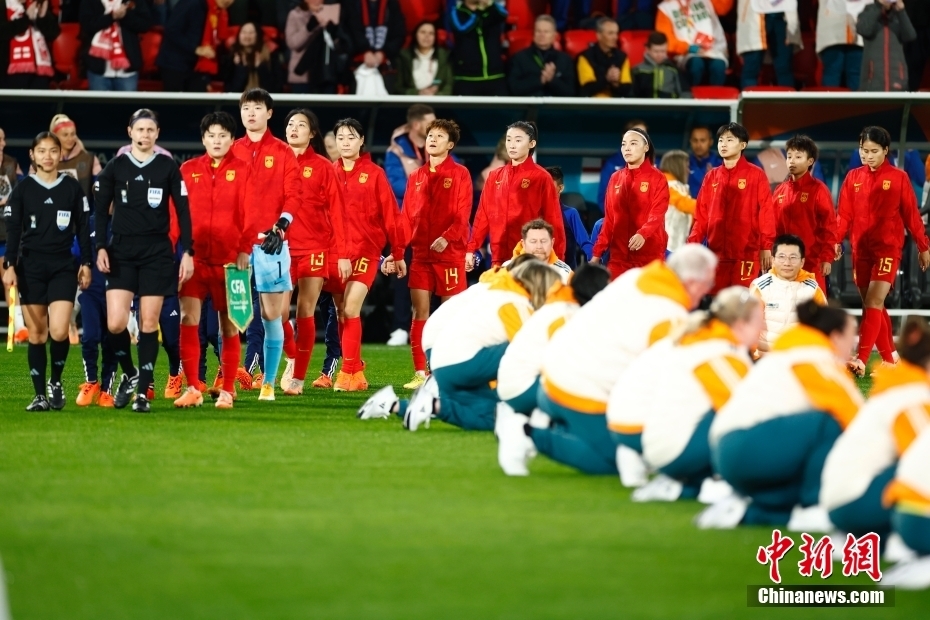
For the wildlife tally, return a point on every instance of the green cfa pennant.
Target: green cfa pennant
(239, 296)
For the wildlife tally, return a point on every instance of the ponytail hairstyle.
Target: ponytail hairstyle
(732, 304)
(536, 277)
(914, 342)
(876, 134)
(825, 319)
(518, 260)
(316, 135)
(355, 126)
(676, 162)
(530, 129)
(651, 152)
(587, 281)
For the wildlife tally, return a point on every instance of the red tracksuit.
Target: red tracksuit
(274, 182)
(734, 214)
(876, 207)
(635, 203)
(512, 196)
(805, 208)
(218, 207)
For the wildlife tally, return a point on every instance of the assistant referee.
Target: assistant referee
(139, 259)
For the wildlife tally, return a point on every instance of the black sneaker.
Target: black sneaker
(39, 403)
(56, 396)
(125, 391)
(141, 404)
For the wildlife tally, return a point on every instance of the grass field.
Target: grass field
(295, 509)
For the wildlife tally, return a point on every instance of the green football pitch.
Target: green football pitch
(296, 509)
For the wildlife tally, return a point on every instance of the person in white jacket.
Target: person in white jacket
(664, 405)
(863, 460)
(586, 358)
(909, 497)
(767, 26)
(838, 45)
(784, 287)
(771, 438)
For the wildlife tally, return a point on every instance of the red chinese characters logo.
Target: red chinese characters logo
(817, 556)
(861, 555)
(773, 553)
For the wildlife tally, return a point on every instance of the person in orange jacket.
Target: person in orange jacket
(734, 214)
(804, 207)
(876, 205)
(217, 184)
(513, 195)
(373, 221)
(634, 209)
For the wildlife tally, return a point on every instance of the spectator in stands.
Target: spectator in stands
(635, 14)
(250, 63)
(761, 27)
(702, 158)
(424, 68)
(838, 45)
(576, 236)
(75, 159)
(10, 172)
(27, 30)
(541, 70)
(918, 51)
(264, 12)
(194, 33)
(884, 27)
(604, 70)
(616, 162)
(319, 45)
(656, 76)
(696, 38)
(561, 8)
(110, 42)
(377, 30)
(477, 59)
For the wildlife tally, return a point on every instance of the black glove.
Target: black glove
(274, 238)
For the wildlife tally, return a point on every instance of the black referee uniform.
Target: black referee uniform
(142, 259)
(42, 221)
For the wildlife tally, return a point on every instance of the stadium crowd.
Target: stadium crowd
(588, 48)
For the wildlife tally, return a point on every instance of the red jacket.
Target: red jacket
(734, 212)
(512, 196)
(321, 225)
(217, 198)
(805, 208)
(274, 183)
(437, 203)
(636, 202)
(877, 207)
(373, 217)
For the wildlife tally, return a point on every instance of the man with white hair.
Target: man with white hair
(586, 357)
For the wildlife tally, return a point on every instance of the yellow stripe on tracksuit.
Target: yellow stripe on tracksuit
(826, 393)
(908, 425)
(719, 377)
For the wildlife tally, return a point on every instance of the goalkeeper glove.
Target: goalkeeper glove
(274, 238)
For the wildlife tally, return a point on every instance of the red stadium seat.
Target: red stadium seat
(150, 42)
(577, 41)
(715, 92)
(416, 11)
(633, 44)
(768, 88)
(518, 40)
(65, 50)
(522, 13)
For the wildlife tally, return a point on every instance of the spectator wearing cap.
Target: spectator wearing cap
(541, 70)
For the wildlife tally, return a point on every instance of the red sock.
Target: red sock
(416, 345)
(352, 345)
(869, 330)
(306, 335)
(232, 351)
(290, 345)
(190, 354)
(886, 339)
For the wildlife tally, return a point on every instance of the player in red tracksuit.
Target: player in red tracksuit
(437, 204)
(514, 194)
(274, 202)
(217, 183)
(372, 219)
(804, 208)
(734, 213)
(316, 239)
(634, 209)
(876, 204)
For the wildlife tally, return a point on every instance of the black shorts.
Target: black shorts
(45, 278)
(145, 267)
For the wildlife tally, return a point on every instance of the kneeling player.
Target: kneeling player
(45, 213)
(216, 185)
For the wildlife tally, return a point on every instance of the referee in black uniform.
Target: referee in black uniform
(45, 213)
(139, 258)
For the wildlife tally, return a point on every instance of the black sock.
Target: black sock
(59, 353)
(37, 362)
(174, 360)
(121, 345)
(148, 353)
